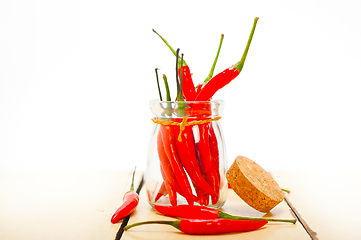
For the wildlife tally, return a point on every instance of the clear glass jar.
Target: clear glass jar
(186, 155)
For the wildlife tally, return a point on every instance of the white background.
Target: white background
(76, 77)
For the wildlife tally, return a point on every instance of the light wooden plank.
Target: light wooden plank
(60, 205)
(328, 202)
(234, 205)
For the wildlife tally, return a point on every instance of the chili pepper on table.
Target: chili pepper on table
(130, 203)
(225, 77)
(208, 226)
(201, 212)
(168, 138)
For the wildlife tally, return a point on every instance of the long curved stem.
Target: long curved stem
(225, 215)
(240, 64)
(169, 46)
(172, 223)
(215, 61)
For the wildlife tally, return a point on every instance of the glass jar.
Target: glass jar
(186, 155)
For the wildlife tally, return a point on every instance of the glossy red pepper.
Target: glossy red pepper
(225, 77)
(208, 166)
(171, 192)
(162, 190)
(208, 226)
(165, 165)
(213, 146)
(130, 203)
(168, 138)
(187, 155)
(188, 88)
(201, 212)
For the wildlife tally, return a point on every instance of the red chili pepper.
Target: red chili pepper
(188, 88)
(213, 146)
(208, 166)
(170, 149)
(200, 196)
(130, 203)
(225, 77)
(162, 190)
(208, 226)
(201, 212)
(187, 155)
(171, 192)
(165, 165)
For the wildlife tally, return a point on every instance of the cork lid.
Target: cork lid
(254, 185)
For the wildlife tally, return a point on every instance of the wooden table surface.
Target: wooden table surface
(79, 206)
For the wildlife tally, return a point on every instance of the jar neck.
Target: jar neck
(194, 110)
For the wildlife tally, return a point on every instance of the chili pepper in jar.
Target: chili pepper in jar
(208, 226)
(166, 168)
(225, 77)
(187, 155)
(162, 190)
(213, 146)
(201, 212)
(130, 203)
(167, 135)
(188, 88)
(170, 190)
(208, 166)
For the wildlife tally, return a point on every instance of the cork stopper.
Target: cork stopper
(254, 185)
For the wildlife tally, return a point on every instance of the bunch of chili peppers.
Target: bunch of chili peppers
(185, 164)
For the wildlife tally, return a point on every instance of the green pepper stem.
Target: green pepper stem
(176, 76)
(169, 46)
(228, 216)
(132, 186)
(172, 223)
(215, 60)
(240, 64)
(160, 93)
(166, 87)
(285, 190)
(181, 97)
(168, 110)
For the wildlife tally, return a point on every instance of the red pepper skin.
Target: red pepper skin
(130, 203)
(218, 226)
(200, 196)
(213, 146)
(170, 149)
(162, 190)
(171, 192)
(186, 211)
(208, 226)
(208, 166)
(216, 83)
(189, 91)
(187, 155)
(166, 166)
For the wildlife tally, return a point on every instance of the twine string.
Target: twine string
(184, 123)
